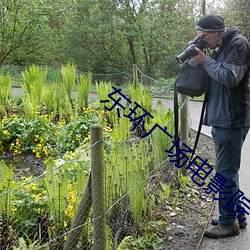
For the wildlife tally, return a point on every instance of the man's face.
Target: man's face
(211, 38)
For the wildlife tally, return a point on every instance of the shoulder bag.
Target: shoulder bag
(192, 79)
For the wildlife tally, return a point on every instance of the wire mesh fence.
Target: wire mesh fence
(55, 209)
(159, 87)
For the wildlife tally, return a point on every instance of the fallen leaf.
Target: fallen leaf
(172, 214)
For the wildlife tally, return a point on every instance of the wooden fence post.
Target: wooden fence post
(135, 74)
(98, 195)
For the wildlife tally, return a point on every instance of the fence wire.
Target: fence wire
(158, 87)
(48, 230)
(40, 211)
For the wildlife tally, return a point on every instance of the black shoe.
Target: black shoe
(221, 231)
(242, 224)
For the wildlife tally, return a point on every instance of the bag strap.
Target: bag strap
(176, 125)
(207, 51)
(200, 125)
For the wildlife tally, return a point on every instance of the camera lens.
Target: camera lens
(187, 53)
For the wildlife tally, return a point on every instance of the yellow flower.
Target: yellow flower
(45, 151)
(37, 196)
(38, 156)
(16, 152)
(73, 199)
(6, 132)
(31, 186)
(14, 209)
(69, 211)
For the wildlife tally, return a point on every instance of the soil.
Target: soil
(25, 164)
(186, 226)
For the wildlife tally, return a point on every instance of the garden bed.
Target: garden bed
(177, 223)
(150, 203)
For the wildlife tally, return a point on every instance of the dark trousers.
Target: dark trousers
(228, 145)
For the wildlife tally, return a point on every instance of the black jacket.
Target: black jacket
(229, 90)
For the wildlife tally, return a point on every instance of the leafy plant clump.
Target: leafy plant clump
(44, 138)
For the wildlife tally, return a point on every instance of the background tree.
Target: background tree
(106, 36)
(94, 38)
(109, 36)
(21, 25)
(237, 12)
(32, 31)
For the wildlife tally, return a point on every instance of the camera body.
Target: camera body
(190, 51)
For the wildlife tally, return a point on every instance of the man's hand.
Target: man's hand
(200, 58)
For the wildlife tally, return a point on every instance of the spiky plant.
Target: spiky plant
(5, 90)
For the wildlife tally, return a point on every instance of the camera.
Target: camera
(190, 51)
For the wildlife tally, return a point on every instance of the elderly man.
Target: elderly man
(228, 112)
